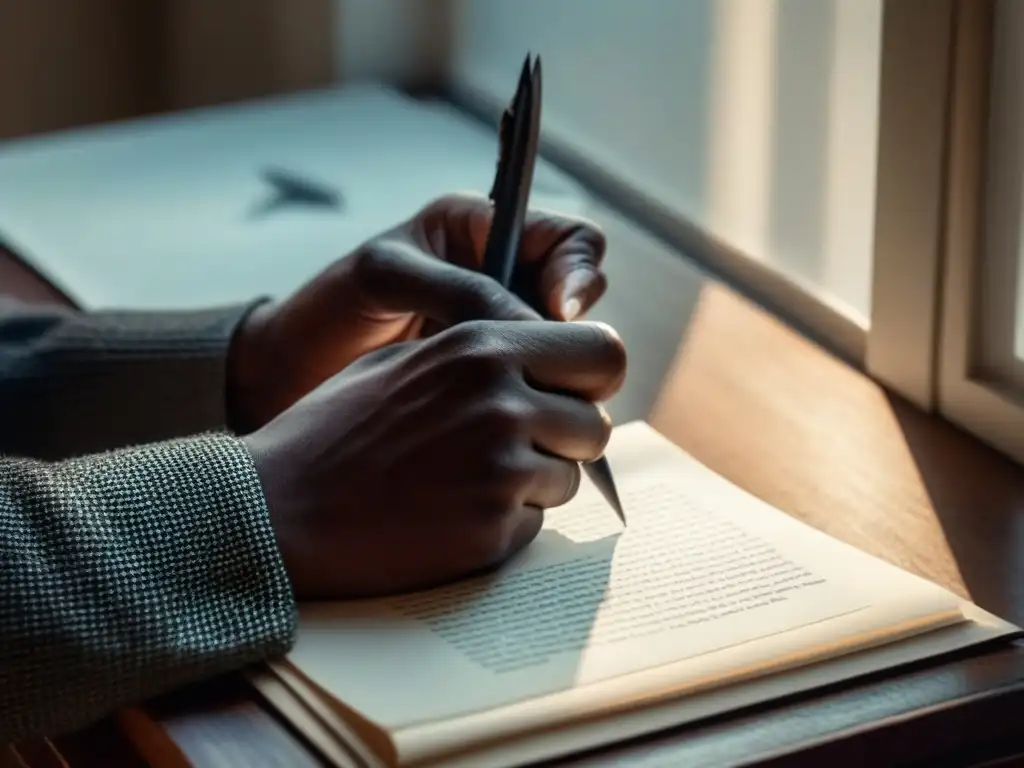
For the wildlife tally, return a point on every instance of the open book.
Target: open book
(709, 600)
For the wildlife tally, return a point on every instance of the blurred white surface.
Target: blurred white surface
(158, 213)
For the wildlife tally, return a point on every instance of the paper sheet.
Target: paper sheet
(706, 585)
(172, 211)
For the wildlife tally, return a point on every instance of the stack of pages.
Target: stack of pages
(708, 601)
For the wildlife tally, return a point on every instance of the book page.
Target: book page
(454, 744)
(701, 569)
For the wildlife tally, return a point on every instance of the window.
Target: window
(841, 161)
(752, 124)
(795, 147)
(981, 378)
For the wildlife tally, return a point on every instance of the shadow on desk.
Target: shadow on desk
(977, 498)
(808, 434)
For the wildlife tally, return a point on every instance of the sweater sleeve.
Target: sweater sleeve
(73, 383)
(128, 573)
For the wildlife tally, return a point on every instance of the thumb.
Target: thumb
(571, 283)
(393, 275)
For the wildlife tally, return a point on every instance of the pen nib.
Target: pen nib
(601, 475)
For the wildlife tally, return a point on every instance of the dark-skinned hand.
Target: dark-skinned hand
(434, 459)
(366, 300)
(433, 416)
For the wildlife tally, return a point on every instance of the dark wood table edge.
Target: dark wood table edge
(877, 739)
(964, 722)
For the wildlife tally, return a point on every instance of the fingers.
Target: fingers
(571, 280)
(523, 528)
(555, 481)
(583, 359)
(568, 252)
(569, 427)
(587, 359)
(560, 256)
(394, 276)
(489, 543)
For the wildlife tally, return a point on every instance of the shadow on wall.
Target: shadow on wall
(755, 120)
(975, 495)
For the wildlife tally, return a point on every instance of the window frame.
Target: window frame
(918, 52)
(966, 397)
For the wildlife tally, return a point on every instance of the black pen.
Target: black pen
(519, 136)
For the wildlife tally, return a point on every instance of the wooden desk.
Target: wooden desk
(792, 424)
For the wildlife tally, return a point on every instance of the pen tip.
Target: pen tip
(601, 473)
(617, 505)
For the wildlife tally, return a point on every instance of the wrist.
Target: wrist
(246, 375)
(283, 509)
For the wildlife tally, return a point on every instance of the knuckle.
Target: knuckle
(514, 479)
(503, 478)
(371, 265)
(590, 233)
(482, 298)
(598, 240)
(505, 419)
(367, 259)
(484, 545)
(573, 480)
(473, 335)
(462, 339)
(480, 348)
(498, 538)
(604, 430)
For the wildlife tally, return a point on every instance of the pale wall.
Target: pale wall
(754, 118)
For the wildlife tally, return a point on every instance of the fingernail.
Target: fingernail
(571, 308)
(611, 332)
(574, 292)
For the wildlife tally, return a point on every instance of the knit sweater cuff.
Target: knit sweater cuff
(145, 569)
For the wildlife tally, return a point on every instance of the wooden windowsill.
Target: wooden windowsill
(807, 433)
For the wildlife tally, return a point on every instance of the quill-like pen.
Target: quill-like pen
(519, 137)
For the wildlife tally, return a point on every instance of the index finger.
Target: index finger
(558, 268)
(586, 359)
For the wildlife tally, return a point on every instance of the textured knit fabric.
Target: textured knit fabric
(128, 573)
(125, 573)
(73, 383)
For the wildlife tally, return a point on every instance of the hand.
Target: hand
(374, 297)
(430, 460)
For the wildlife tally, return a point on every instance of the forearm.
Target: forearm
(75, 383)
(131, 573)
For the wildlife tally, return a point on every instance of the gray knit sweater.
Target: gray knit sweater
(136, 552)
